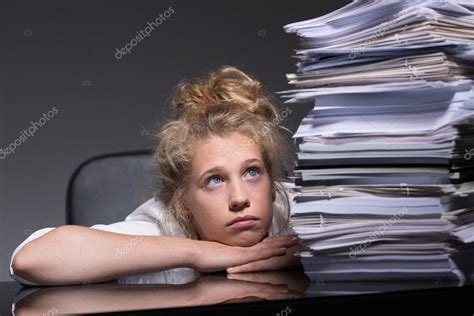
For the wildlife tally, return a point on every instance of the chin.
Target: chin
(247, 239)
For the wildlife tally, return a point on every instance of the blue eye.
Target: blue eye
(214, 178)
(253, 172)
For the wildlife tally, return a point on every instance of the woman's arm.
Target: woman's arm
(73, 254)
(109, 297)
(287, 262)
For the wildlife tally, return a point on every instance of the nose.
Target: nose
(239, 204)
(238, 198)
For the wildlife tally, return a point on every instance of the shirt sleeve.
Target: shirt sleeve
(145, 224)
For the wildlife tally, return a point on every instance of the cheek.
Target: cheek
(208, 211)
(262, 203)
(263, 208)
(259, 190)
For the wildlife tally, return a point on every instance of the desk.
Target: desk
(284, 293)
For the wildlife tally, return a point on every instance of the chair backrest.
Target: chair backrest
(106, 188)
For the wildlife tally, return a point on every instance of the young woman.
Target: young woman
(222, 204)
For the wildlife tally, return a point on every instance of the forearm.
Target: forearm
(75, 254)
(105, 298)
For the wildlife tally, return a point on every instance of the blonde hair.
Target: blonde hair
(223, 102)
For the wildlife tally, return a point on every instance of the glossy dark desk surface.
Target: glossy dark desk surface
(282, 293)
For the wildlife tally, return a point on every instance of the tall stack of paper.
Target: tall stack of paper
(385, 157)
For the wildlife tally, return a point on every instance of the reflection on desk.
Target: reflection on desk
(201, 290)
(205, 289)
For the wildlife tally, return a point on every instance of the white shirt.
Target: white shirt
(148, 219)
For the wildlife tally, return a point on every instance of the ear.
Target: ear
(186, 207)
(183, 203)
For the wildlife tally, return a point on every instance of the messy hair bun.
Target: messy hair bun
(227, 87)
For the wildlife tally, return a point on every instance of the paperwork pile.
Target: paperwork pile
(385, 161)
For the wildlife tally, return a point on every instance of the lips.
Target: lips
(242, 218)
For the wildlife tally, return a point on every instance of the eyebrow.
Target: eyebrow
(219, 168)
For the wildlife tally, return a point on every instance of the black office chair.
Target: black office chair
(106, 188)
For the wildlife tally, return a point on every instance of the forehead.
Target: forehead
(229, 150)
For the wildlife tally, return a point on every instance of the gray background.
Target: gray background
(61, 53)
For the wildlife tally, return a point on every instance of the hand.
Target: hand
(295, 280)
(288, 261)
(213, 256)
(212, 289)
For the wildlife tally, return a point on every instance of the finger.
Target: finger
(256, 255)
(261, 288)
(278, 292)
(260, 251)
(287, 241)
(247, 255)
(266, 264)
(241, 276)
(278, 238)
(271, 252)
(271, 277)
(248, 267)
(266, 291)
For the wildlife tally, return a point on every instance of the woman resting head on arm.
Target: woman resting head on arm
(222, 164)
(223, 160)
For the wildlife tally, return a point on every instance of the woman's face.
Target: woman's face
(225, 186)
